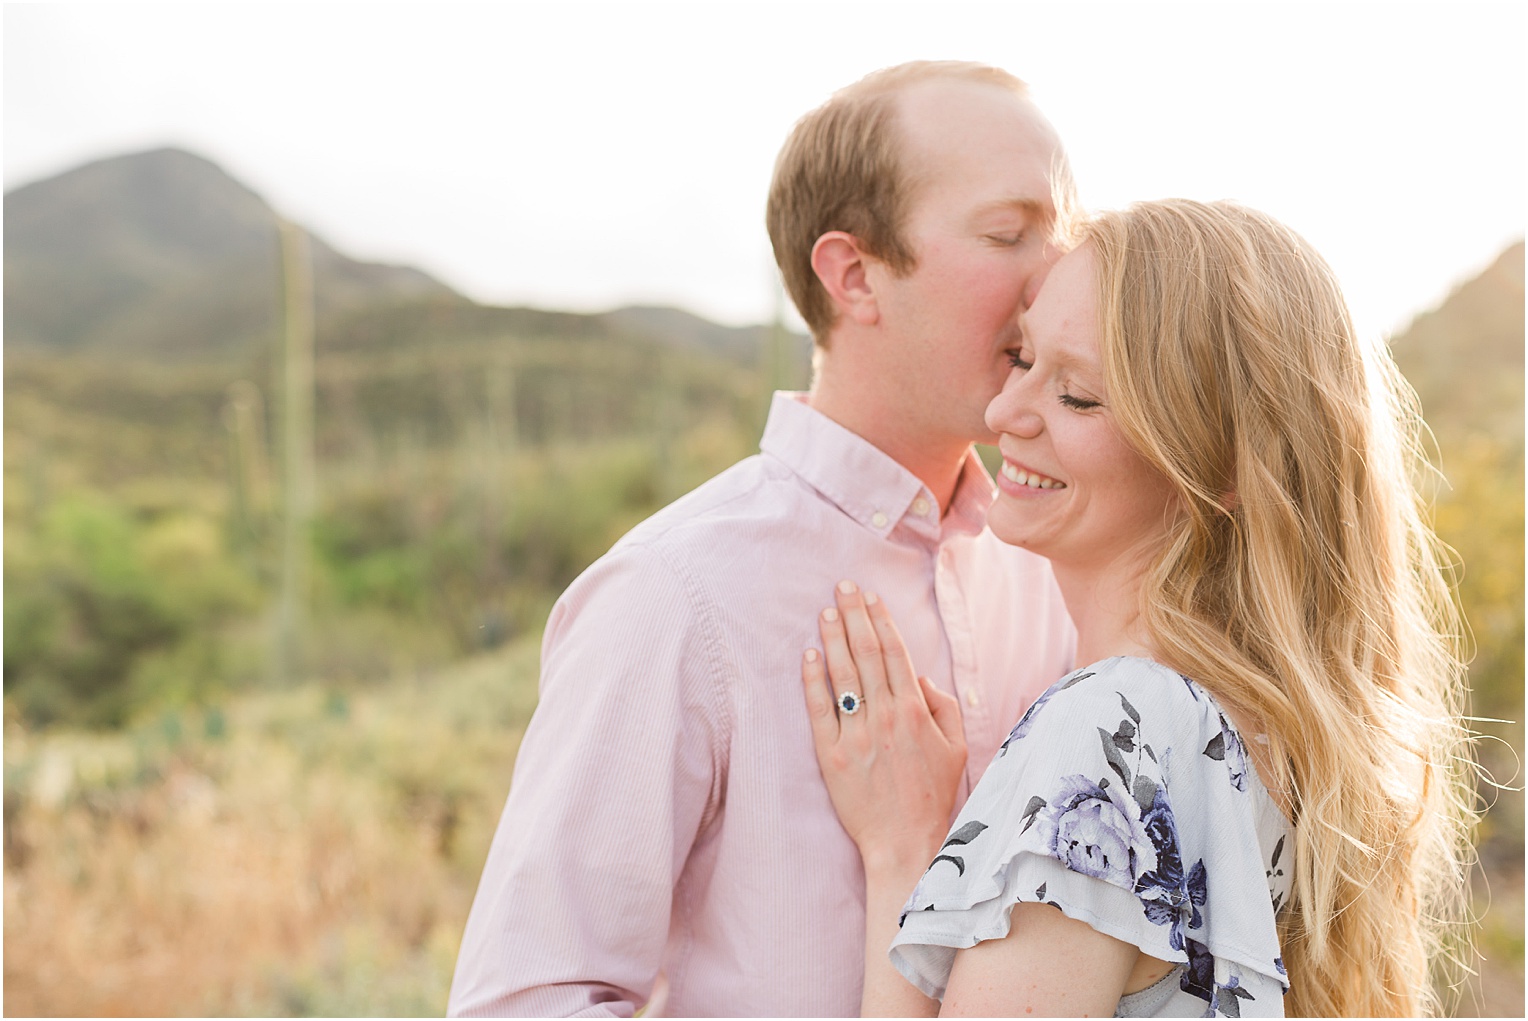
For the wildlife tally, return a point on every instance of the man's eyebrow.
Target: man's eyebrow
(1029, 207)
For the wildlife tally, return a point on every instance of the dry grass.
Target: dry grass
(309, 852)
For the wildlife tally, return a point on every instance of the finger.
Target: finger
(842, 673)
(864, 646)
(900, 677)
(820, 709)
(946, 712)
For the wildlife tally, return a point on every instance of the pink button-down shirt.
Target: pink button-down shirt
(667, 816)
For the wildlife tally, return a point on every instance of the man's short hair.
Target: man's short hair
(842, 169)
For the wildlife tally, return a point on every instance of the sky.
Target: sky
(585, 156)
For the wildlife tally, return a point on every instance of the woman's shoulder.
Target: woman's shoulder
(1133, 686)
(1125, 710)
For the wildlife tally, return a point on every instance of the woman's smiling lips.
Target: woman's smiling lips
(1023, 479)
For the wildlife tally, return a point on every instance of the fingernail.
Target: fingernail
(830, 614)
(811, 655)
(846, 587)
(871, 599)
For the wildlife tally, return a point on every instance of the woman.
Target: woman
(1257, 785)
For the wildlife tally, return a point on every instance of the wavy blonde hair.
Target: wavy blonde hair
(1301, 584)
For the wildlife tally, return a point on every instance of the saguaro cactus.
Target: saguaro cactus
(296, 445)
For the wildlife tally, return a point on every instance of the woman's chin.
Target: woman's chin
(1003, 524)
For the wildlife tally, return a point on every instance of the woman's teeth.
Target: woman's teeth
(1024, 478)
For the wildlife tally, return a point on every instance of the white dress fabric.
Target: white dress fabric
(1126, 799)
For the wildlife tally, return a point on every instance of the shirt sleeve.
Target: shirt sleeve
(620, 769)
(1118, 801)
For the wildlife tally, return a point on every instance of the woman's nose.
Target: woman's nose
(1011, 411)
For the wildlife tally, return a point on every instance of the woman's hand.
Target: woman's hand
(889, 743)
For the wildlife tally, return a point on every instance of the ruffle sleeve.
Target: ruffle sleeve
(1125, 799)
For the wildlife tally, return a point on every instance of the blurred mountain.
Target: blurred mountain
(683, 329)
(1465, 357)
(163, 253)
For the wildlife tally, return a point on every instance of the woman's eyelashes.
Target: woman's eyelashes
(1019, 359)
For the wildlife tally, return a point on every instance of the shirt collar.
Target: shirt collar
(866, 483)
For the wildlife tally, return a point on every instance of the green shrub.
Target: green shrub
(94, 594)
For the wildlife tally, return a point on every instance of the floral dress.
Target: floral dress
(1126, 799)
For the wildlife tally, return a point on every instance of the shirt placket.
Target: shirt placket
(955, 613)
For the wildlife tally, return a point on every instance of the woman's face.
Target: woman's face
(1070, 487)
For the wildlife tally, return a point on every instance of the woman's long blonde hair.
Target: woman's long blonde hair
(1302, 584)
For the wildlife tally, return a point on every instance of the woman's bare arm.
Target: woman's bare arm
(1048, 965)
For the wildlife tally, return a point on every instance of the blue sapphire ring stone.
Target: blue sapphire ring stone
(849, 703)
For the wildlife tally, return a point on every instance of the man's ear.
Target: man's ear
(840, 265)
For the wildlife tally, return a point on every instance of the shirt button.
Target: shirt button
(920, 506)
(878, 519)
(973, 699)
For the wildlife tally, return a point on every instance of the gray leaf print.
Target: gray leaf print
(965, 834)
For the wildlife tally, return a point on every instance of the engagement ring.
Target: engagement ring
(849, 703)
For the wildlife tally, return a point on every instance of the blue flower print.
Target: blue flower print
(1096, 829)
(1199, 977)
(1125, 781)
(1199, 980)
(1165, 892)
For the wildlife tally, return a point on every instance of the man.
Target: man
(667, 816)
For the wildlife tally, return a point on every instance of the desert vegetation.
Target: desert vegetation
(204, 814)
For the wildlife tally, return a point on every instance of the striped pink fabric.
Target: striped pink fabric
(667, 816)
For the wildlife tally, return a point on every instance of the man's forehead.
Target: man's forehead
(927, 113)
(941, 94)
(978, 132)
